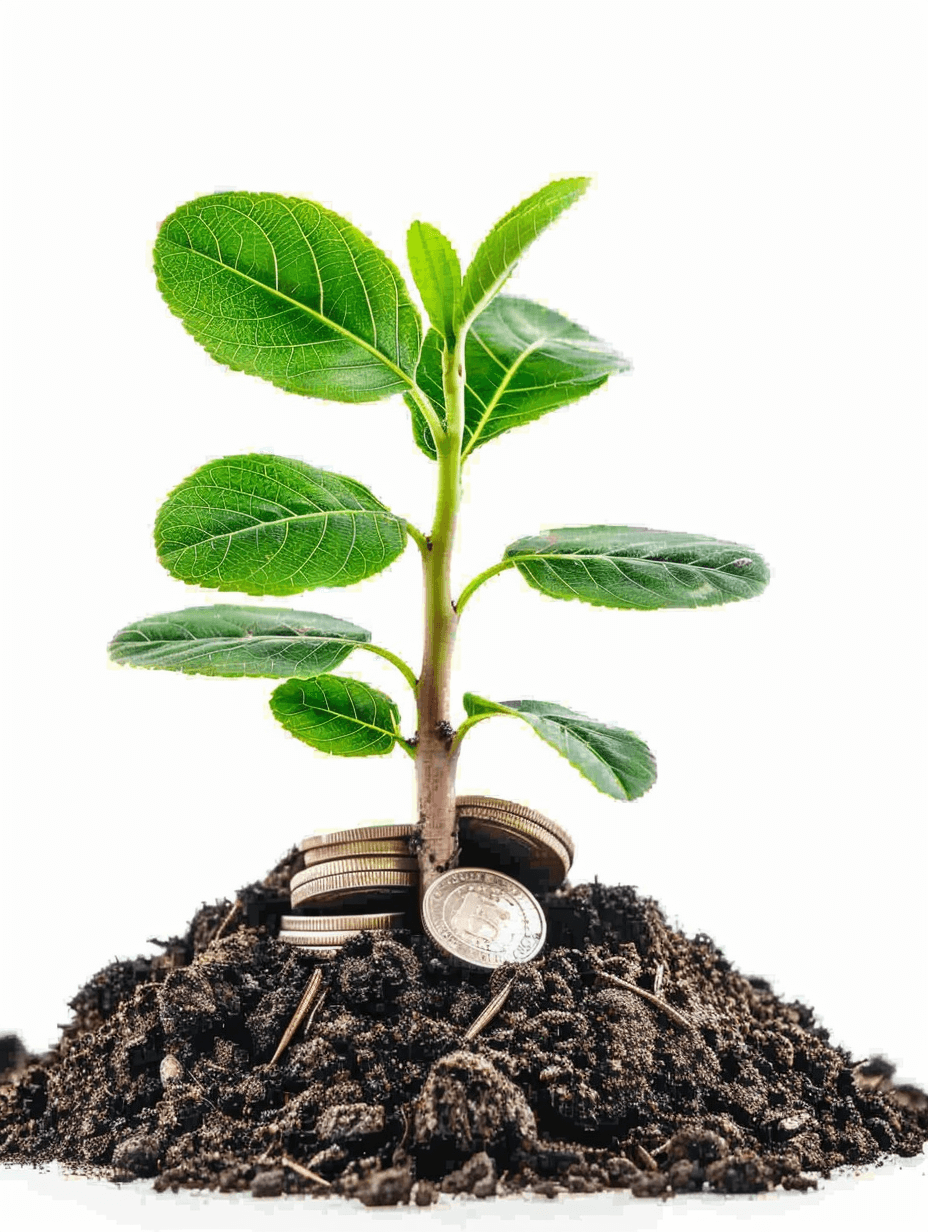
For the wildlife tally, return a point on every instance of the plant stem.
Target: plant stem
(435, 761)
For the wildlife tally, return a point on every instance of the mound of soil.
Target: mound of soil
(577, 1085)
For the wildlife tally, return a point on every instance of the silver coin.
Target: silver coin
(342, 923)
(358, 864)
(346, 851)
(513, 811)
(298, 937)
(354, 889)
(319, 951)
(358, 834)
(483, 918)
(535, 857)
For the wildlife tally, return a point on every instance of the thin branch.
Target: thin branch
(465, 728)
(230, 916)
(397, 662)
(306, 1173)
(656, 1001)
(427, 411)
(308, 997)
(417, 537)
(489, 1012)
(479, 581)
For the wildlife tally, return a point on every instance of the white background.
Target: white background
(754, 242)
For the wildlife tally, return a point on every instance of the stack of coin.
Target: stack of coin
(513, 839)
(482, 913)
(324, 935)
(365, 870)
(350, 867)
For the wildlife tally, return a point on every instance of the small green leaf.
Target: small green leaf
(286, 290)
(229, 640)
(522, 360)
(614, 760)
(265, 525)
(629, 567)
(337, 715)
(437, 273)
(499, 253)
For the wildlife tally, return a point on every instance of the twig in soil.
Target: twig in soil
(661, 1005)
(306, 1173)
(308, 997)
(646, 1158)
(236, 906)
(487, 1014)
(658, 979)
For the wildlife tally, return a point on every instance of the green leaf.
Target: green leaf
(286, 290)
(229, 640)
(614, 760)
(337, 715)
(522, 360)
(265, 525)
(629, 567)
(437, 273)
(497, 256)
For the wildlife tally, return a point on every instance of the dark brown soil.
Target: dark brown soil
(577, 1085)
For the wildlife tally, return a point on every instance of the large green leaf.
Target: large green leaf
(229, 640)
(337, 715)
(499, 253)
(629, 567)
(265, 525)
(614, 760)
(437, 273)
(286, 290)
(522, 360)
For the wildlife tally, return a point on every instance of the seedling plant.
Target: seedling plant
(289, 291)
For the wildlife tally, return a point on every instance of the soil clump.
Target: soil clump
(579, 1083)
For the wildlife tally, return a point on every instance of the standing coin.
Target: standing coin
(532, 854)
(483, 918)
(515, 811)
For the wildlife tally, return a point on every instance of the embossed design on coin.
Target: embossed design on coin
(483, 918)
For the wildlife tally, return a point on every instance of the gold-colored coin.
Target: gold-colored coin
(515, 811)
(522, 848)
(341, 851)
(357, 834)
(359, 864)
(355, 888)
(298, 937)
(382, 922)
